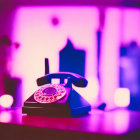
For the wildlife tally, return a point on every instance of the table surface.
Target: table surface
(117, 122)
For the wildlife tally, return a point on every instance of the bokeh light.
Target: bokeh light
(6, 101)
(122, 97)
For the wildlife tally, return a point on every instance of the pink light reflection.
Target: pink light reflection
(5, 116)
(109, 122)
(121, 121)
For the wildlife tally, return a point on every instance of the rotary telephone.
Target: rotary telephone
(59, 100)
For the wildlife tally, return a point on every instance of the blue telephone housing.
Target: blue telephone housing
(72, 104)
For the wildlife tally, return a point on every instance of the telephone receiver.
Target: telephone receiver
(72, 78)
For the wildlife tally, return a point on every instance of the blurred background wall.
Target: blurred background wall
(100, 28)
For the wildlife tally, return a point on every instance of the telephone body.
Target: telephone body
(59, 100)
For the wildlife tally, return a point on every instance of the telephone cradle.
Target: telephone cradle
(58, 100)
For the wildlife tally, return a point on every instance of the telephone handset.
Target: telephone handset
(73, 78)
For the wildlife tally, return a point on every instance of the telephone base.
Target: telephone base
(72, 105)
